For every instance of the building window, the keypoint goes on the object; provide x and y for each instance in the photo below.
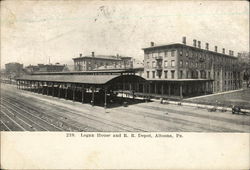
(166, 74)
(172, 74)
(153, 74)
(166, 63)
(187, 63)
(147, 74)
(181, 74)
(147, 64)
(161, 54)
(181, 52)
(172, 63)
(172, 53)
(166, 53)
(153, 64)
(181, 63)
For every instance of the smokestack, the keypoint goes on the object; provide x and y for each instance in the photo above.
(152, 44)
(223, 50)
(215, 48)
(184, 40)
(199, 44)
(93, 54)
(194, 43)
(207, 46)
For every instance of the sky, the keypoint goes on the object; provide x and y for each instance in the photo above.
(35, 32)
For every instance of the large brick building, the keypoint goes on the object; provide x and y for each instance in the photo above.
(93, 62)
(185, 70)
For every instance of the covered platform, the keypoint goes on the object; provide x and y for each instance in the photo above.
(100, 89)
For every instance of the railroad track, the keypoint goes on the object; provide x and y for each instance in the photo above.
(105, 122)
(48, 123)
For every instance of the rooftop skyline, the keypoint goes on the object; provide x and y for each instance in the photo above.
(35, 32)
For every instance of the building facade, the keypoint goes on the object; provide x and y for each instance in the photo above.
(93, 62)
(191, 69)
(45, 68)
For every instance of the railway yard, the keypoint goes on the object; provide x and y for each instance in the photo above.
(27, 111)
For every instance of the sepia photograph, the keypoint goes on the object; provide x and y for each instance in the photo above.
(107, 69)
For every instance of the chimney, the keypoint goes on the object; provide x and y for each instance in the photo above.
(199, 44)
(223, 50)
(207, 46)
(93, 54)
(117, 56)
(239, 54)
(152, 44)
(232, 53)
(184, 40)
(194, 43)
(80, 54)
(215, 48)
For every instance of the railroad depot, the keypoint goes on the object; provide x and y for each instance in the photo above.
(106, 87)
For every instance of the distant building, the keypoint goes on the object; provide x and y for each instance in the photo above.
(181, 69)
(93, 62)
(45, 68)
(13, 67)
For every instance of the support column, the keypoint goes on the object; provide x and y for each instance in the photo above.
(52, 89)
(47, 88)
(66, 92)
(38, 87)
(82, 93)
(105, 97)
(42, 88)
(155, 88)
(74, 89)
(93, 96)
(181, 96)
(59, 91)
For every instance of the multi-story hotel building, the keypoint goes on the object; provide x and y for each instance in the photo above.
(185, 70)
(93, 62)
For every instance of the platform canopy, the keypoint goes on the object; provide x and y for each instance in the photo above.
(82, 79)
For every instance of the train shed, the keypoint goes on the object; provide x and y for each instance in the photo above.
(95, 87)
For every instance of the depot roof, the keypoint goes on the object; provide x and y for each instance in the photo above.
(83, 79)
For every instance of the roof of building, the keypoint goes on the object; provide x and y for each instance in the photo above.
(104, 57)
(86, 79)
(82, 79)
(185, 45)
(179, 80)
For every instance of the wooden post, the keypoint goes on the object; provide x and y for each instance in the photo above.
(93, 96)
(82, 93)
(105, 97)
(155, 88)
(52, 89)
(66, 92)
(74, 88)
(59, 90)
(47, 88)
